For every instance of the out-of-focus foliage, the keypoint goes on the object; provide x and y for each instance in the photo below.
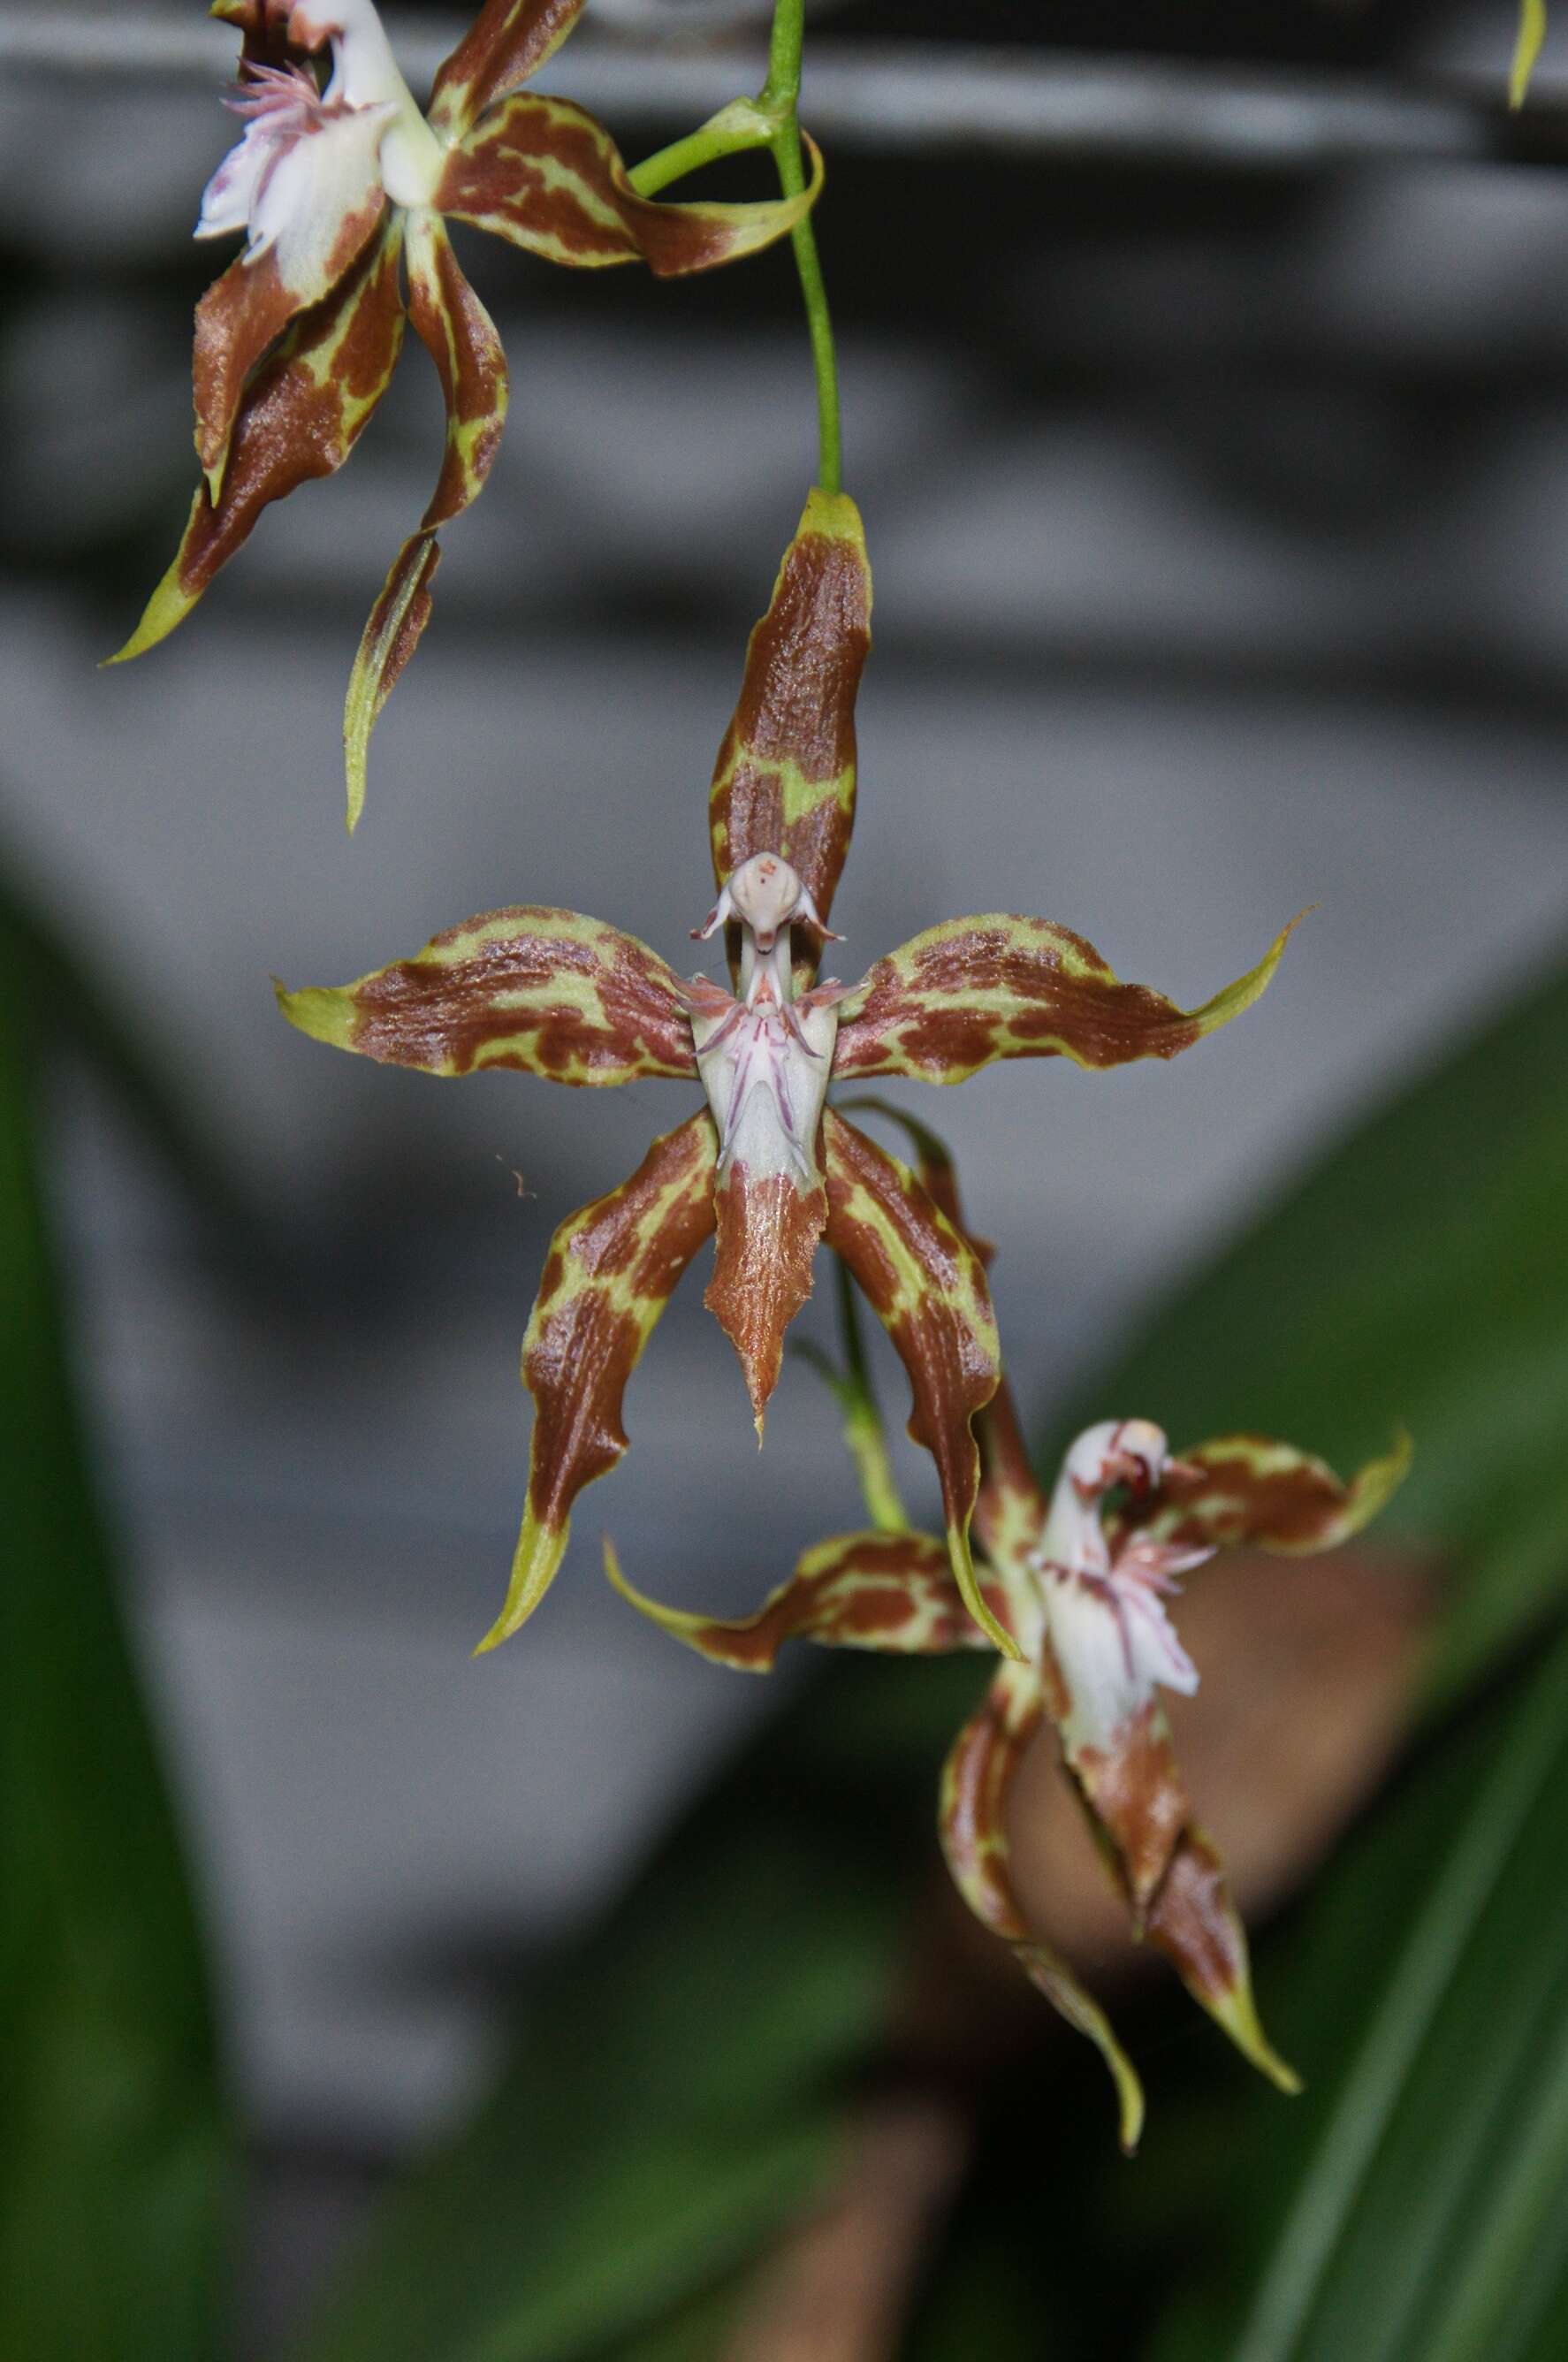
(1527, 49)
(685, 2069)
(114, 2176)
(1416, 2202)
(677, 2089)
(1421, 1272)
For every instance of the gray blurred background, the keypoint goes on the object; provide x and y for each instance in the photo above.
(1220, 522)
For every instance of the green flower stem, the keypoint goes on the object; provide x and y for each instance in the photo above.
(741, 125)
(771, 120)
(863, 1434)
(781, 98)
(862, 1421)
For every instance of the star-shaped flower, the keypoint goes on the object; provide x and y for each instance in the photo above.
(768, 1165)
(341, 188)
(1083, 1583)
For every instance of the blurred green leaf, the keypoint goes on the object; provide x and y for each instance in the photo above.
(1416, 2203)
(678, 2083)
(112, 2150)
(58, 1004)
(1418, 1274)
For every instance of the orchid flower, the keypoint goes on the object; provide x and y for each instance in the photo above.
(333, 188)
(1084, 1582)
(766, 1166)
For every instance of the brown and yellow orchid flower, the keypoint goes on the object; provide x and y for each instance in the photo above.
(1081, 1581)
(1084, 1592)
(768, 1165)
(337, 188)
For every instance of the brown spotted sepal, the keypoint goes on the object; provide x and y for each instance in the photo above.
(460, 338)
(1250, 1491)
(300, 417)
(927, 1285)
(549, 992)
(976, 1784)
(506, 44)
(972, 990)
(784, 782)
(890, 1592)
(612, 1268)
(543, 174)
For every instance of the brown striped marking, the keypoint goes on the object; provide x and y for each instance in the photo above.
(944, 1330)
(978, 989)
(767, 1233)
(437, 1013)
(1137, 1796)
(244, 310)
(508, 41)
(294, 424)
(803, 666)
(1216, 1494)
(1195, 1924)
(611, 1269)
(460, 338)
(514, 175)
(893, 1593)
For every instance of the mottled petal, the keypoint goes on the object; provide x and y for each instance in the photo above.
(888, 1592)
(612, 1268)
(460, 338)
(972, 990)
(1251, 1489)
(926, 1286)
(300, 416)
(1195, 1924)
(508, 41)
(543, 174)
(312, 204)
(547, 991)
(976, 1783)
(1010, 1509)
(784, 781)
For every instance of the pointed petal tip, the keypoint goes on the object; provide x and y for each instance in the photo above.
(996, 1632)
(322, 1011)
(1236, 2013)
(168, 607)
(1130, 2099)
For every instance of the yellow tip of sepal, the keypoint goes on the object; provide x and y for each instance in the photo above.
(1236, 2013)
(322, 1011)
(168, 606)
(535, 1563)
(963, 1565)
